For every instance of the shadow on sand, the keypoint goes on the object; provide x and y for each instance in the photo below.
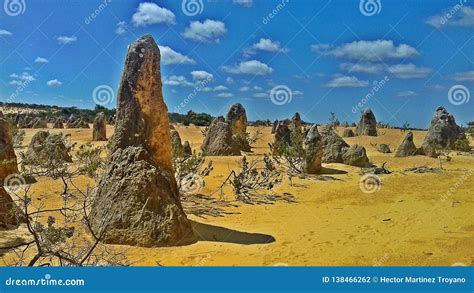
(206, 232)
(330, 171)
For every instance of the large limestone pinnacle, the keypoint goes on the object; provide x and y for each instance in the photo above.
(141, 110)
(137, 200)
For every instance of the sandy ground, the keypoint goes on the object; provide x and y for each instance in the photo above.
(414, 219)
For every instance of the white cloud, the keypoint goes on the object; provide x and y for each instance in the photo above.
(121, 28)
(177, 80)
(41, 60)
(225, 95)
(266, 45)
(65, 40)
(150, 13)
(252, 67)
(206, 31)
(368, 50)
(201, 75)
(368, 68)
(461, 16)
(463, 76)
(170, 56)
(220, 88)
(54, 83)
(405, 71)
(244, 89)
(5, 33)
(346, 81)
(406, 94)
(297, 93)
(230, 80)
(261, 95)
(245, 3)
(25, 76)
(257, 88)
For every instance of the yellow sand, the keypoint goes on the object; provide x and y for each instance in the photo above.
(412, 220)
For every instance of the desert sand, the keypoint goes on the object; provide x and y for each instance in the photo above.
(414, 219)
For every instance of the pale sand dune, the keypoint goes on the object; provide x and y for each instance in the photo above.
(332, 223)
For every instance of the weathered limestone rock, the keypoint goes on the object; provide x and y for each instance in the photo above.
(99, 127)
(296, 122)
(9, 218)
(58, 124)
(237, 117)
(39, 123)
(442, 133)
(367, 124)
(8, 162)
(384, 148)
(333, 146)
(137, 201)
(282, 131)
(43, 145)
(218, 140)
(356, 156)
(348, 133)
(407, 147)
(176, 143)
(314, 151)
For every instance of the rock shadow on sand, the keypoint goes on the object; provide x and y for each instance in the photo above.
(206, 232)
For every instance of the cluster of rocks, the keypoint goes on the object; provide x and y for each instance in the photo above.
(43, 145)
(137, 200)
(179, 149)
(27, 121)
(75, 122)
(324, 146)
(227, 137)
(442, 134)
(293, 124)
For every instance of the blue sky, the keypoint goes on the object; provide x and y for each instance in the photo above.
(317, 57)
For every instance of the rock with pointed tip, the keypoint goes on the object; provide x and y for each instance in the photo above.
(218, 140)
(314, 151)
(137, 201)
(367, 124)
(237, 117)
(407, 147)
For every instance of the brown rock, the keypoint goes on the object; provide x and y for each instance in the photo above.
(314, 151)
(407, 147)
(99, 127)
(8, 162)
(367, 124)
(137, 201)
(237, 117)
(356, 156)
(218, 140)
(9, 217)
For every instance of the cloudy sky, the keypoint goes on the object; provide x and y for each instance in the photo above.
(400, 58)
